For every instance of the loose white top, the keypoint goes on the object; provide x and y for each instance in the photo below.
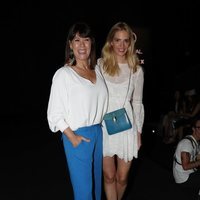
(75, 101)
(125, 144)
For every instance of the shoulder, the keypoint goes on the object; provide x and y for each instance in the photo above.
(187, 138)
(61, 73)
(185, 142)
(139, 72)
(97, 67)
(100, 64)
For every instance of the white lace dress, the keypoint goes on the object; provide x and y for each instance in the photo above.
(124, 144)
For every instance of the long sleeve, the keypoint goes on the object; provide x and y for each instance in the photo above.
(57, 103)
(75, 101)
(137, 99)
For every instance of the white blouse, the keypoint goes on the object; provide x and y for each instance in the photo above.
(75, 101)
(125, 144)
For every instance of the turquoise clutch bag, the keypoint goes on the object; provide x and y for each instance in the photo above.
(117, 121)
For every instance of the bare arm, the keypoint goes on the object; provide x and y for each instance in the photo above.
(186, 163)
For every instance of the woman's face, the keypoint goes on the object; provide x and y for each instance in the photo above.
(81, 47)
(120, 43)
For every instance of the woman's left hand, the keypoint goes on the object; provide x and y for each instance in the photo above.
(139, 140)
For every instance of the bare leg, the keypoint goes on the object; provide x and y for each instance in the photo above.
(109, 172)
(122, 176)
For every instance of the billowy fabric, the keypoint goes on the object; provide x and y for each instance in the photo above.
(124, 144)
(75, 101)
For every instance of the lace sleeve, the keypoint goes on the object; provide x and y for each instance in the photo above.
(137, 98)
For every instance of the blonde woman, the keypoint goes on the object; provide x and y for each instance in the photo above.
(122, 72)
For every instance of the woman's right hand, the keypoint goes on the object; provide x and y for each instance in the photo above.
(77, 139)
(74, 138)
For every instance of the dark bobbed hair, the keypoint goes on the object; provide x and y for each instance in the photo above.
(83, 30)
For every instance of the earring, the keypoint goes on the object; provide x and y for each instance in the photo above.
(71, 57)
(71, 53)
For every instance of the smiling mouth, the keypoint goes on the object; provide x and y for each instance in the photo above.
(82, 51)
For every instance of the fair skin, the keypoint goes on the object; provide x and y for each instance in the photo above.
(115, 178)
(81, 48)
(185, 156)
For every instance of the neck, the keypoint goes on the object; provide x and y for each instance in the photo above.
(196, 136)
(121, 59)
(82, 65)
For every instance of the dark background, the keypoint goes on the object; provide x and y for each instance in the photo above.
(32, 43)
(33, 36)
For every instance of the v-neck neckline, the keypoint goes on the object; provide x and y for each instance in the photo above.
(94, 83)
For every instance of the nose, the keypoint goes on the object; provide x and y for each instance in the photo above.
(81, 43)
(121, 44)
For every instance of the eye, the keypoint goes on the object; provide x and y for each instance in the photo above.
(126, 41)
(116, 40)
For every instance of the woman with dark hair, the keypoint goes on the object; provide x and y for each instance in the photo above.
(77, 104)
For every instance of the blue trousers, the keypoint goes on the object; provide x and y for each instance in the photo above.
(85, 163)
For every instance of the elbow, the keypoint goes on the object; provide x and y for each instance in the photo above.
(186, 167)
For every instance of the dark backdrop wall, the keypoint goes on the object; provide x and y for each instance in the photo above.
(33, 39)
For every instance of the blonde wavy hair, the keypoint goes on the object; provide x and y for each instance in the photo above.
(109, 61)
